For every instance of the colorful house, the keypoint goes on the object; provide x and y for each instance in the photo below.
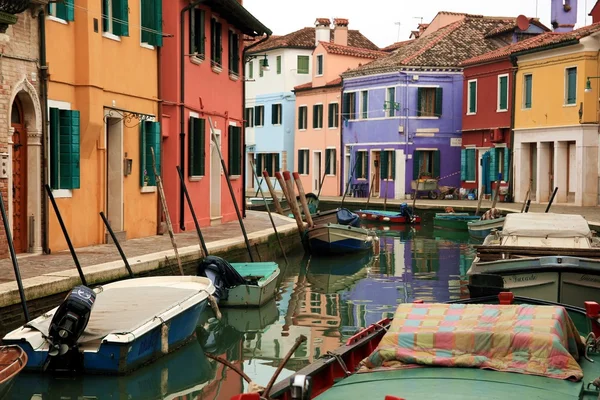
(22, 118)
(202, 84)
(104, 118)
(270, 99)
(402, 113)
(487, 112)
(317, 138)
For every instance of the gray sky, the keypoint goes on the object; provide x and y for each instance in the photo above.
(377, 19)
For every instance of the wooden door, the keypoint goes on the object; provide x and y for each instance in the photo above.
(19, 178)
(376, 172)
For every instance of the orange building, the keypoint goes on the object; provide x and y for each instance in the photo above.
(103, 115)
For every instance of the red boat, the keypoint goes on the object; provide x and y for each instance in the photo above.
(12, 361)
(389, 217)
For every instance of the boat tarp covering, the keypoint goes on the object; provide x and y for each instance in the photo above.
(122, 310)
(347, 217)
(526, 339)
(546, 225)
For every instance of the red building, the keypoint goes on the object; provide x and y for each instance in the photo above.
(487, 114)
(202, 82)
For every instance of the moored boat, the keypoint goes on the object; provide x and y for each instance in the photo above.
(454, 221)
(404, 216)
(117, 327)
(339, 239)
(483, 227)
(12, 361)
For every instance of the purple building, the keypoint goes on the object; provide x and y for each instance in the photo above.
(402, 114)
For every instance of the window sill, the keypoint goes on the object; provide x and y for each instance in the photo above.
(472, 113)
(470, 181)
(111, 36)
(195, 178)
(62, 193)
(526, 109)
(428, 117)
(59, 20)
(217, 69)
(570, 105)
(234, 177)
(277, 124)
(233, 76)
(302, 129)
(318, 75)
(197, 59)
(317, 129)
(148, 189)
(500, 111)
(258, 126)
(361, 179)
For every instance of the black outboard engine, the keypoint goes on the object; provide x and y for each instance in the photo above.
(222, 275)
(70, 320)
(407, 212)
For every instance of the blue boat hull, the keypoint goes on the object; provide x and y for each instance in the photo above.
(338, 239)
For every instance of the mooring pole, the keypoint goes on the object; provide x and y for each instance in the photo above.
(551, 199)
(302, 195)
(66, 234)
(349, 180)
(191, 206)
(114, 238)
(278, 207)
(13, 257)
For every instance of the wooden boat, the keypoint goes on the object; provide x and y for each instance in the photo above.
(264, 274)
(454, 221)
(428, 351)
(131, 323)
(388, 217)
(480, 229)
(12, 361)
(553, 257)
(339, 239)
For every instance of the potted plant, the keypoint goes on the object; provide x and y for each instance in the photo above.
(146, 177)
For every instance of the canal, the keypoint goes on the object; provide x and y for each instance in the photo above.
(325, 299)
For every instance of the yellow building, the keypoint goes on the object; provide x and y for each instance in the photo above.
(103, 114)
(556, 118)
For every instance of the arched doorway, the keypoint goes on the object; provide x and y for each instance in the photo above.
(19, 178)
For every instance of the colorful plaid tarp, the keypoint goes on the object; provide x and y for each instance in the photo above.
(536, 340)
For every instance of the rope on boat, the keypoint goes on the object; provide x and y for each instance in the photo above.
(340, 361)
(299, 341)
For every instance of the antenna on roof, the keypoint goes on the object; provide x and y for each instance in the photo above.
(419, 18)
(398, 23)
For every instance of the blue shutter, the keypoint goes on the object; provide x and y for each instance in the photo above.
(506, 164)
(69, 169)
(463, 164)
(471, 161)
(493, 166)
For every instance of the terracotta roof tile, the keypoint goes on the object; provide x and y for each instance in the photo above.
(447, 47)
(340, 21)
(304, 86)
(333, 48)
(323, 21)
(512, 24)
(396, 46)
(305, 39)
(309, 85)
(537, 42)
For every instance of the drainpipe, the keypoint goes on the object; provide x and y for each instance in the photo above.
(342, 147)
(243, 73)
(160, 120)
(511, 185)
(45, 147)
(406, 132)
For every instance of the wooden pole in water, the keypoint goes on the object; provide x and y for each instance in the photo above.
(386, 192)
(269, 210)
(235, 204)
(416, 191)
(496, 194)
(551, 199)
(276, 202)
(116, 242)
(370, 191)
(527, 195)
(13, 257)
(203, 249)
(281, 182)
(302, 195)
(163, 202)
(291, 199)
(348, 183)
(480, 198)
(527, 207)
(324, 173)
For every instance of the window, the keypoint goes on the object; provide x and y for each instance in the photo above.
(152, 22)
(64, 149)
(317, 116)
(197, 32)
(429, 102)
(197, 147)
(333, 115)
(234, 165)
(149, 140)
(527, 82)
(234, 53)
(467, 164)
(472, 97)
(278, 65)
(303, 62)
(268, 162)
(302, 117)
(63, 10)
(216, 46)
(115, 17)
(390, 97)
(251, 70)
(259, 115)
(330, 162)
(261, 69)
(571, 85)
(426, 163)
(362, 165)
(349, 104)
(388, 164)
(364, 104)
(276, 116)
(249, 117)
(320, 64)
(303, 167)
(502, 92)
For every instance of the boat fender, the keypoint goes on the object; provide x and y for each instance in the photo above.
(300, 387)
(222, 275)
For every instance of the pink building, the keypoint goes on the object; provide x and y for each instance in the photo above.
(318, 106)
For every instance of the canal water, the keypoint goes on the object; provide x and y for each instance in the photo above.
(325, 299)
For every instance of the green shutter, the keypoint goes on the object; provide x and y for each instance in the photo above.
(150, 140)
(277, 168)
(230, 145)
(503, 93)
(70, 10)
(346, 105)
(528, 83)
(419, 103)
(472, 97)
(54, 147)
(307, 152)
(300, 118)
(303, 64)
(259, 165)
(439, 101)
(120, 17)
(69, 170)
(436, 164)
(334, 156)
(393, 156)
(234, 161)
(359, 164)
(147, 11)
(571, 85)
(315, 116)
(327, 157)
(365, 104)
(391, 101)
(416, 164)
(493, 166)
(383, 165)
(278, 64)
(506, 164)
(144, 164)
(471, 155)
(104, 15)
(256, 115)
(196, 151)
(192, 37)
(192, 146)
(157, 37)
(269, 163)
(463, 165)
(152, 22)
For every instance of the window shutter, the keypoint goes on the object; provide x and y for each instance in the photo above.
(104, 14)
(157, 39)
(278, 64)
(315, 116)
(147, 11)
(472, 97)
(463, 165)
(471, 155)
(54, 147)
(528, 82)
(143, 162)
(436, 164)
(69, 170)
(346, 105)
(193, 43)
(257, 115)
(70, 10)
(572, 86)
(359, 164)
(506, 164)
(383, 165)
(300, 118)
(201, 33)
(234, 161)
(334, 161)
(438, 102)
(504, 93)
(277, 168)
(259, 165)
(393, 156)
(274, 114)
(416, 164)
(307, 163)
(192, 146)
(419, 102)
(493, 166)
(152, 141)
(120, 12)
(230, 60)
(300, 162)
(201, 131)
(330, 115)
(327, 162)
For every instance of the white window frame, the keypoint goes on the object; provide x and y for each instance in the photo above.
(306, 156)
(331, 162)
(280, 113)
(320, 56)
(262, 114)
(322, 116)
(61, 105)
(388, 101)
(524, 101)
(360, 105)
(306, 124)
(498, 109)
(52, 16)
(336, 121)
(366, 170)
(566, 84)
(469, 112)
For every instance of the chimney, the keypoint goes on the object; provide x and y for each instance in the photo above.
(563, 15)
(322, 30)
(340, 31)
(595, 13)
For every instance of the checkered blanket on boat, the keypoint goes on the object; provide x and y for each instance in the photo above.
(536, 340)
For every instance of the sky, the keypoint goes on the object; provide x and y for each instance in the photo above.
(378, 19)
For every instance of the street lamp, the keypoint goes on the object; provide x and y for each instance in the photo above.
(264, 63)
(588, 83)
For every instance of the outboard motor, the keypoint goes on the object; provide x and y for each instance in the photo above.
(407, 212)
(222, 275)
(70, 320)
(347, 217)
(300, 387)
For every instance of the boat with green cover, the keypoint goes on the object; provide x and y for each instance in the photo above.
(455, 221)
